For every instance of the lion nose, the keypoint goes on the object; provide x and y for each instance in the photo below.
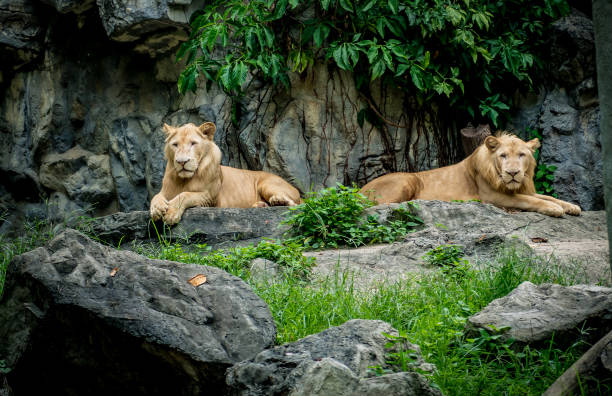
(512, 173)
(182, 161)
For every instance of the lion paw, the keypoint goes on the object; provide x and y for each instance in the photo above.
(281, 200)
(173, 215)
(159, 206)
(260, 204)
(571, 209)
(552, 209)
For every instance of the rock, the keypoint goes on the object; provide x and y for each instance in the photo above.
(333, 362)
(263, 270)
(579, 244)
(152, 331)
(21, 35)
(163, 23)
(84, 177)
(534, 313)
(572, 47)
(571, 142)
(76, 6)
(566, 112)
(215, 226)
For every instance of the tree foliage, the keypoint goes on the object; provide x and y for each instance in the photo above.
(471, 54)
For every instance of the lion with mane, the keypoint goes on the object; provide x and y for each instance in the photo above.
(194, 177)
(500, 171)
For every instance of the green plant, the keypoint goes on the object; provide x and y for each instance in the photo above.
(287, 255)
(471, 54)
(544, 174)
(449, 258)
(399, 354)
(334, 216)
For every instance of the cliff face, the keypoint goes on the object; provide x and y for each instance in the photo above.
(87, 85)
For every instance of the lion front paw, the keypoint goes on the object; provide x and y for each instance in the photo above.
(571, 209)
(281, 199)
(552, 209)
(173, 215)
(159, 206)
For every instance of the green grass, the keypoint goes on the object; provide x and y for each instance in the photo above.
(430, 310)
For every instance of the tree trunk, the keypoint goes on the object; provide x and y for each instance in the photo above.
(602, 15)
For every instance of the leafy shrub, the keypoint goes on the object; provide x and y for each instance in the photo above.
(544, 174)
(334, 216)
(471, 54)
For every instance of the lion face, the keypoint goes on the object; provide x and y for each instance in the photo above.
(512, 159)
(187, 145)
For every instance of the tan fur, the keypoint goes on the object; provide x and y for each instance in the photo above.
(500, 171)
(194, 177)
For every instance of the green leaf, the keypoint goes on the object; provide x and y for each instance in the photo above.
(346, 5)
(394, 6)
(377, 69)
(320, 34)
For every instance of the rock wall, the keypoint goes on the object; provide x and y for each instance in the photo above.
(88, 84)
(566, 111)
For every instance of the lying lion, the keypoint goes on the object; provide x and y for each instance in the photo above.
(500, 171)
(194, 177)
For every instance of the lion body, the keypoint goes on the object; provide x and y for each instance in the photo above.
(194, 176)
(500, 171)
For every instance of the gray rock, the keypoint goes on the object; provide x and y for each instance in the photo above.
(533, 313)
(21, 33)
(333, 362)
(578, 244)
(216, 226)
(83, 176)
(263, 270)
(163, 24)
(76, 6)
(572, 46)
(152, 331)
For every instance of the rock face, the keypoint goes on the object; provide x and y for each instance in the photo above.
(88, 319)
(333, 362)
(99, 76)
(533, 313)
(567, 113)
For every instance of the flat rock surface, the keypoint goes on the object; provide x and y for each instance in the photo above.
(580, 243)
(87, 318)
(533, 313)
(577, 242)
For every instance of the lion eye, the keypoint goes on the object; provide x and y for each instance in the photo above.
(194, 143)
(174, 144)
(503, 155)
(521, 155)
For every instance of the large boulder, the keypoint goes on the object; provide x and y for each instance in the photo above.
(215, 226)
(338, 361)
(89, 319)
(532, 313)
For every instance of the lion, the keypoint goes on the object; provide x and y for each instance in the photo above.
(500, 171)
(194, 177)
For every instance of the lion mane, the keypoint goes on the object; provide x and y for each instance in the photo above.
(500, 171)
(194, 176)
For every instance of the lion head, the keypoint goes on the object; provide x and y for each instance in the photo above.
(507, 163)
(188, 146)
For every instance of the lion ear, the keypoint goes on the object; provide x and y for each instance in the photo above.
(492, 143)
(533, 144)
(167, 129)
(208, 129)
